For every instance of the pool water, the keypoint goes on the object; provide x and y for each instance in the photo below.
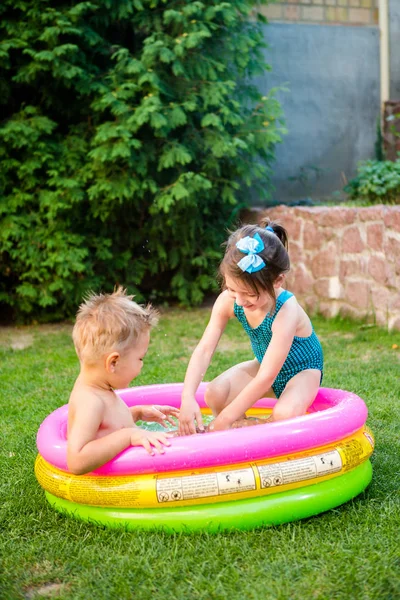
(157, 427)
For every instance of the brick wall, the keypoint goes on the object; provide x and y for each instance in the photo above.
(344, 260)
(329, 12)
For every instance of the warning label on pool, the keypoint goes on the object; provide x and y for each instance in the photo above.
(173, 489)
(301, 469)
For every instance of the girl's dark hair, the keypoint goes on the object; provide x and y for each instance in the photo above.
(275, 255)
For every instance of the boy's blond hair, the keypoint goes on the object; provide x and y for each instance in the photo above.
(109, 322)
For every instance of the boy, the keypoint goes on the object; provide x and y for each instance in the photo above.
(111, 336)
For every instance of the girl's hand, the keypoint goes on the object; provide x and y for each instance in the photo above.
(189, 415)
(159, 414)
(219, 425)
(223, 422)
(152, 441)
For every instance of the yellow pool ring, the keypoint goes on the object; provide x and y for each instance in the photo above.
(210, 485)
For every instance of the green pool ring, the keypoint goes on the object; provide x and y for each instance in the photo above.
(241, 514)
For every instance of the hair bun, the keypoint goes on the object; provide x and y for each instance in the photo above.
(278, 230)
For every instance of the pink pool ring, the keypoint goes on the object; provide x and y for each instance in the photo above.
(334, 415)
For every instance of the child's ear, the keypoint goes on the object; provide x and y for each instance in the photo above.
(112, 361)
(279, 280)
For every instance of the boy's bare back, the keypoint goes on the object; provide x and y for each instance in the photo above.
(110, 411)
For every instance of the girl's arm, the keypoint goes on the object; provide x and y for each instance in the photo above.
(199, 362)
(283, 332)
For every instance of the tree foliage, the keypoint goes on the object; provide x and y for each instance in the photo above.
(132, 133)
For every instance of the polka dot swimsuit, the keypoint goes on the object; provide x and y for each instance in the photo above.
(305, 352)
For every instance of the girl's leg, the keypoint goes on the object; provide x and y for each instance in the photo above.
(298, 395)
(224, 388)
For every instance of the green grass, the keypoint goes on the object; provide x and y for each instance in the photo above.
(350, 552)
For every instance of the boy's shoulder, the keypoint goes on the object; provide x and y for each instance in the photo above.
(82, 392)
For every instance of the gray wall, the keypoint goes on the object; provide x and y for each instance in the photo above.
(394, 49)
(331, 106)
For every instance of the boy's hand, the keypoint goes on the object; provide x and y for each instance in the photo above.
(152, 441)
(159, 414)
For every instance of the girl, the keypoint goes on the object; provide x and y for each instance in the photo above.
(288, 361)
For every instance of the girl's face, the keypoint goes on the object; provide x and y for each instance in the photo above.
(245, 296)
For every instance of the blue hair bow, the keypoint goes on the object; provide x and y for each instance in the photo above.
(251, 246)
(269, 228)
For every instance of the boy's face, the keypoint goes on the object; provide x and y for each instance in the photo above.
(130, 362)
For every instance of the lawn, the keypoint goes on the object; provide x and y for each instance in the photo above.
(350, 552)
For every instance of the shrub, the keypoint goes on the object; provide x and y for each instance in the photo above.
(376, 182)
(132, 134)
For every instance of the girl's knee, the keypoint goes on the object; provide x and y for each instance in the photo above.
(281, 413)
(290, 407)
(216, 395)
(297, 396)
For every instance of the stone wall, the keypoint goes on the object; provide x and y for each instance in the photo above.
(345, 260)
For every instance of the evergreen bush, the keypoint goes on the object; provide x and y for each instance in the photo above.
(132, 133)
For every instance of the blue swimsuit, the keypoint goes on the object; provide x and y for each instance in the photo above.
(305, 352)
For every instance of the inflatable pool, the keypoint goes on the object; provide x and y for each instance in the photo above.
(237, 479)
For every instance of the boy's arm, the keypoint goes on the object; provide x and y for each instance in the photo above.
(84, 451)
(157, 413)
